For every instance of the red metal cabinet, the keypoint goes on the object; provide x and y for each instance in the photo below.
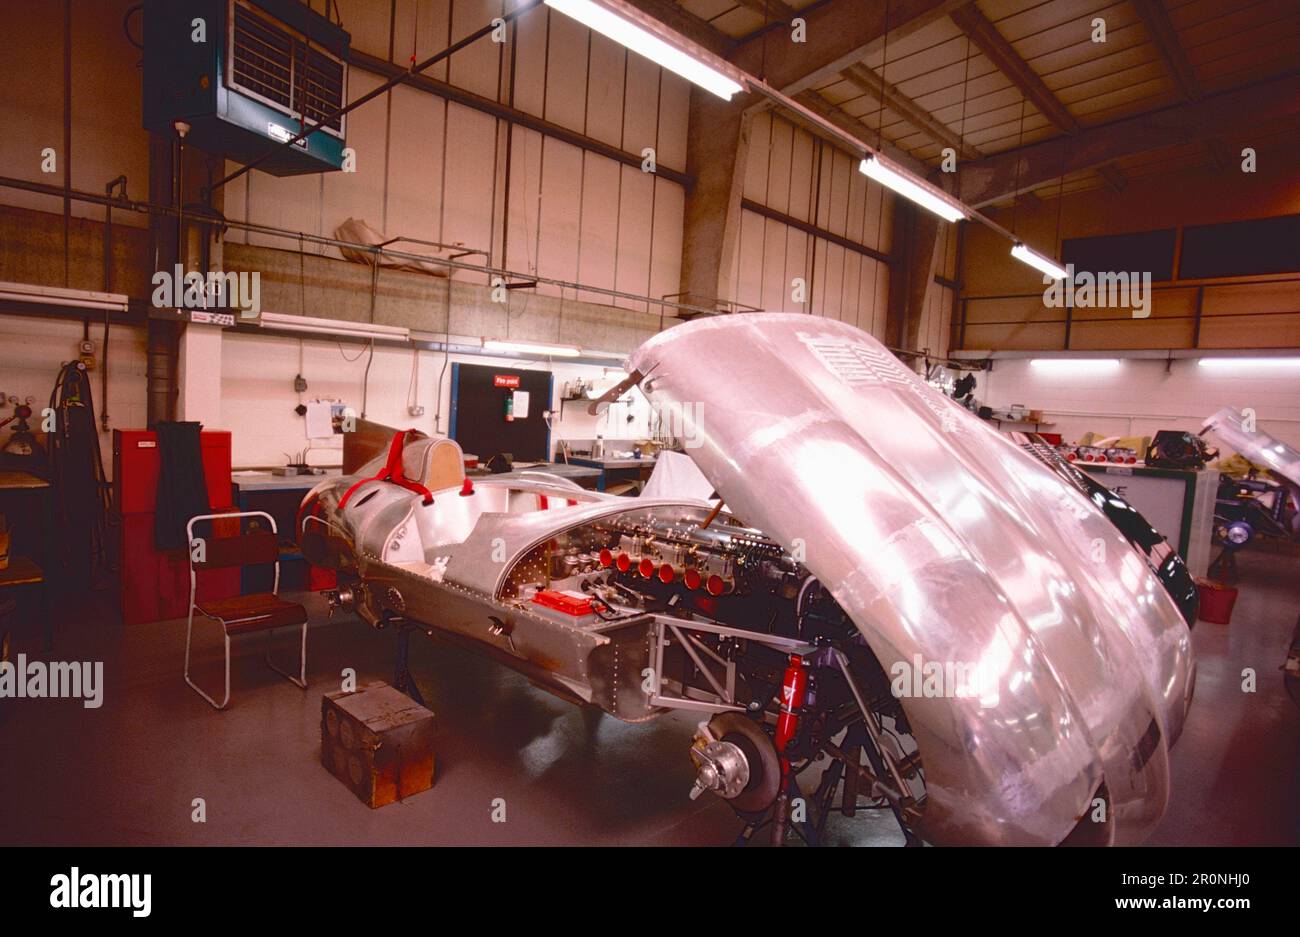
(154, 584)
(136, 466)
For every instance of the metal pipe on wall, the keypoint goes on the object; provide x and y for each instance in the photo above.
(163, 340)
(154, 207)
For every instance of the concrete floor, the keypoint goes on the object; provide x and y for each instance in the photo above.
(127, 773)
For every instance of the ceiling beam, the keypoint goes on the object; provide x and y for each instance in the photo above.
(838, 32)
(876, 87)
(850, 125)
(995, 177)
(1220, 159)
(776, 10)
(695, 28)
(1112, 176)
(1000, 52)
(1165, 38)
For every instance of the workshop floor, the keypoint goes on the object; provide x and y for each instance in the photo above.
(129, 772)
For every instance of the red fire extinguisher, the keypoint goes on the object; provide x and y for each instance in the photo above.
(510, 407)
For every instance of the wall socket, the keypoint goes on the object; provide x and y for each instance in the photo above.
(415, 410)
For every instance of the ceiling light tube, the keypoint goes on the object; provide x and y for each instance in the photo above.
(626, 26)
(290, 323)
(1227, 362)
(531, 348)
(916, 190)
(1075, 365)
(57, 296)
(1039, 262)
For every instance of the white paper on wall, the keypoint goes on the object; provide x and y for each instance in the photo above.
(520, 410)
(320, 422)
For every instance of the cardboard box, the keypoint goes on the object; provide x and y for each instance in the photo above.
(377, 741)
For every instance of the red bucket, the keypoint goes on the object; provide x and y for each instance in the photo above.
(1216, 601)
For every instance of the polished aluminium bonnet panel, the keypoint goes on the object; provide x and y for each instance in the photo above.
(1235, 428)
(949, 545)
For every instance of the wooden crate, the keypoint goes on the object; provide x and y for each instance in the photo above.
(377, 741)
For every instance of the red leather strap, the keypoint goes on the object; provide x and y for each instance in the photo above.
(392, 472)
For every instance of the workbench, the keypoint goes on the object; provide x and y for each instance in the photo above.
(583, 475)
(24, 571)
(280, 496)
(615, 470)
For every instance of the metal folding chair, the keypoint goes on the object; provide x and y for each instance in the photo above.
(241, 614)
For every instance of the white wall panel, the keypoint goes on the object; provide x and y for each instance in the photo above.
(666, 256)
(475, 67)
(560, 217)
(749, 266)
(634, 223)
(525, 186)
(674, 114)
(850, 295)
(778, 166)
(600, 214)
(467, 195)
(415, 167)
(604, 111)
(529, 55)
(775, 288)
(566, 72)
(760, 143)
(797, 252)
(801, 176)
(641, 105)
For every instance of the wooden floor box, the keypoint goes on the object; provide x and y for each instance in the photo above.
(377, 741)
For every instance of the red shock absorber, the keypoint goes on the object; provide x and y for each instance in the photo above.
(794, 687)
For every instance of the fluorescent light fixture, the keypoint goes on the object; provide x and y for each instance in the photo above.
(1075, 365)
(57, 296)
(618, 22)
(288, 323)
(531, 348)
(1039, 261)
(1228, 362)
(924, 194)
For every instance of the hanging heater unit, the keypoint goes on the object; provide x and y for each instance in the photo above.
(246, 75)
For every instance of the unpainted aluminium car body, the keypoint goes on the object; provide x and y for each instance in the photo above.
(940, 540)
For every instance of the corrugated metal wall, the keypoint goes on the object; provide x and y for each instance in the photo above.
(437, 170)
(798, 175)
